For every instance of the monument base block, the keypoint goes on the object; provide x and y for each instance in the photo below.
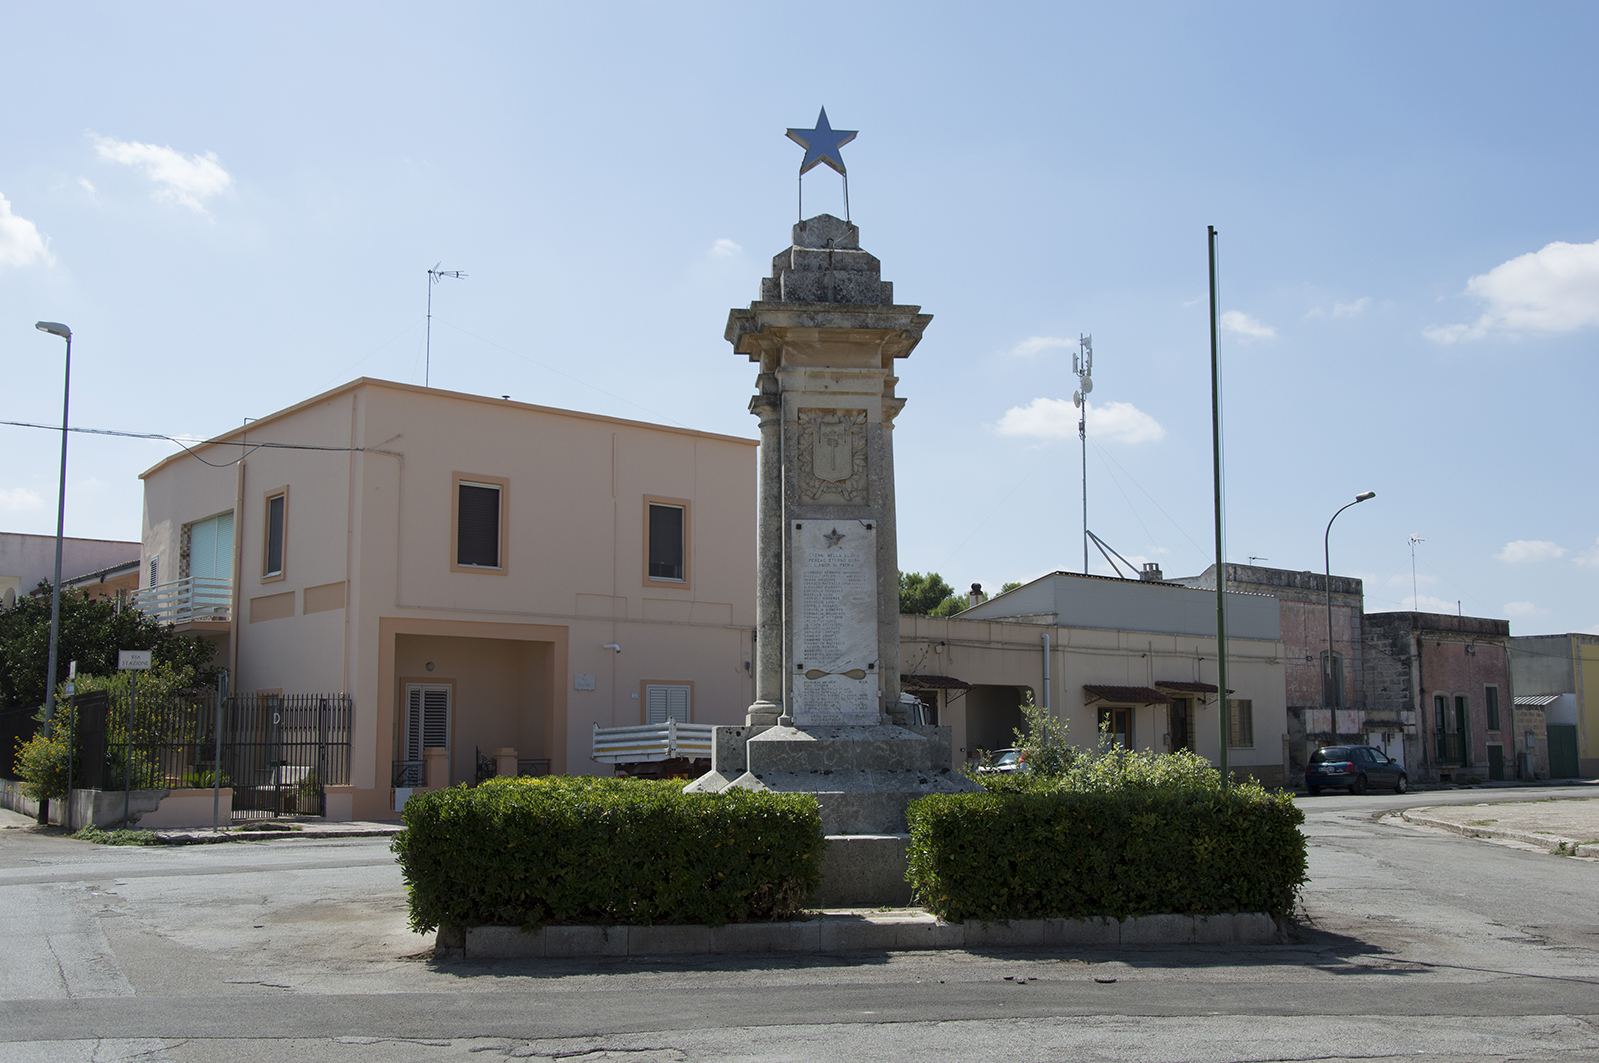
(862, 777)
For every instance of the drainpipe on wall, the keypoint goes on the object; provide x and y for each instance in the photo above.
(238, 577)
(1045, 637)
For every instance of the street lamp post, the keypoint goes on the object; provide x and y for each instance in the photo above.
(1327, 672)
(55, 328)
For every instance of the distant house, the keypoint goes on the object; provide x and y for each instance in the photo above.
(1137, 657)
(1557, 684)
(98, 567)
(1451, 675)
(1326, 704)
(476, 574)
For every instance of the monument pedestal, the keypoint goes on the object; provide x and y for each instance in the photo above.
(826, 333)
(862, 777)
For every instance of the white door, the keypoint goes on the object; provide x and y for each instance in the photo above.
(662, 702)
(427, 718)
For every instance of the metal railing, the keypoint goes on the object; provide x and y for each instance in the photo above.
(652, 742)
(190, 598)
(1451, 749)
(278, 752)
(409, 773)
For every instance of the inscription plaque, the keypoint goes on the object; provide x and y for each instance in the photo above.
(833, 677)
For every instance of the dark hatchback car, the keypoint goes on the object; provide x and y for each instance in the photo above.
(1354, 768)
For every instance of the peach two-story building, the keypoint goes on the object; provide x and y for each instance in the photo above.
(476, 574)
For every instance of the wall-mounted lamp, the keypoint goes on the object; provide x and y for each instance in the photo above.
(430, 666)
(611, 646)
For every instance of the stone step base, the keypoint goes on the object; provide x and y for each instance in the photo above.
(851, 931)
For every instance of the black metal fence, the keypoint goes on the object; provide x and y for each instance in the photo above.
(277, 752)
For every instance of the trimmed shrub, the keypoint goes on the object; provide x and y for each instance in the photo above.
(1078, 853)
(574, 849)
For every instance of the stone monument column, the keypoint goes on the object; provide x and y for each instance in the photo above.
(768, 704)
(826, 333)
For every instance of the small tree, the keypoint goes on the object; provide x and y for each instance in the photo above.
(92, 631)
(927, 595)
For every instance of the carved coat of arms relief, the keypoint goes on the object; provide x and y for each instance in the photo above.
(832, 456)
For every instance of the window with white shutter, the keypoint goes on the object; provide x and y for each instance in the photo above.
(211, 547)
(663, 701)
(427, 718)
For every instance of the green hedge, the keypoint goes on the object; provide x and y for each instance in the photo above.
(1073, 854)
(526, 852)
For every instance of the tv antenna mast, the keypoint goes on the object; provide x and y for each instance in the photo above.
(1415, 594)
(433, 278)
(1083, 366)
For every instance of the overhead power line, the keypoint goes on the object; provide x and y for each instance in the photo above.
(251, 446)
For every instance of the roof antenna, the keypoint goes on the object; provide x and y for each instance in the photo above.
(433, 278)
(1415, 591)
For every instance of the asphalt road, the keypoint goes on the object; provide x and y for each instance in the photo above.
(1413, 943)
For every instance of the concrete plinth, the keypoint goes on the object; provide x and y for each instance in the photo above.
(864, 871)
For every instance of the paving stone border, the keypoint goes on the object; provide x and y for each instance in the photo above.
(1550, 842)
(850, 932)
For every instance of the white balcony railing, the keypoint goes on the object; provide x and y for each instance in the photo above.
(191, 598)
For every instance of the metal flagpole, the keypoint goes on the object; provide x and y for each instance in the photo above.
(1221, 565)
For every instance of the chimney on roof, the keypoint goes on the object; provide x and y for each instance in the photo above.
(978, 597)
(1151, 572)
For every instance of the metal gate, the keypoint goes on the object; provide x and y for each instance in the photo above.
(1563, 751)
(279, 752)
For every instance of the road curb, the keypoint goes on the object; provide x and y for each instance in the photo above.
(1554, 843)
(851, 931)
(207, 837)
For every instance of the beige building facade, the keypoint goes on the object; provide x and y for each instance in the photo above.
(477, 574)
(1134, 655)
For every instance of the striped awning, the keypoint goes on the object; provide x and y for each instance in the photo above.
(1537, 699)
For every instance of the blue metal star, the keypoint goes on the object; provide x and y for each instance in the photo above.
(822, 144)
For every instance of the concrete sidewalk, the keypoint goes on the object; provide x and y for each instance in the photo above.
(1569, 826)
(237, 831)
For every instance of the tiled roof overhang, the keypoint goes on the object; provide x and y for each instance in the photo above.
(933, 682)
(1125, 695)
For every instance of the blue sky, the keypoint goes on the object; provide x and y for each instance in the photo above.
(234, 207)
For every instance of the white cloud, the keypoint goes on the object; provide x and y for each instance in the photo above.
(88, 186)
(1244, 325)
(1555, 289)
(1591, 557)
(1340, 309)
(1033, 346)
(1523, 609)
(20, 242)
(19, 499)
(1426, 603)
(1523, 550)
(725, 248)
(1118, 422)
(184, 179)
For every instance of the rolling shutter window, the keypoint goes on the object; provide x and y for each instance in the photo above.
(666, 542)
(478, 531)
(427, 719)
(211, 547)
(274, 536)
(662, 702)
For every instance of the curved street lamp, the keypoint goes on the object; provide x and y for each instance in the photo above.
(55, 328)
(1326, 553)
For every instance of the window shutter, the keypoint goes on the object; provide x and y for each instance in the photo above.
(662, 702)
(436, 716)
(427, 719)
(211, 547)
(413, 724)
(478, 526)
